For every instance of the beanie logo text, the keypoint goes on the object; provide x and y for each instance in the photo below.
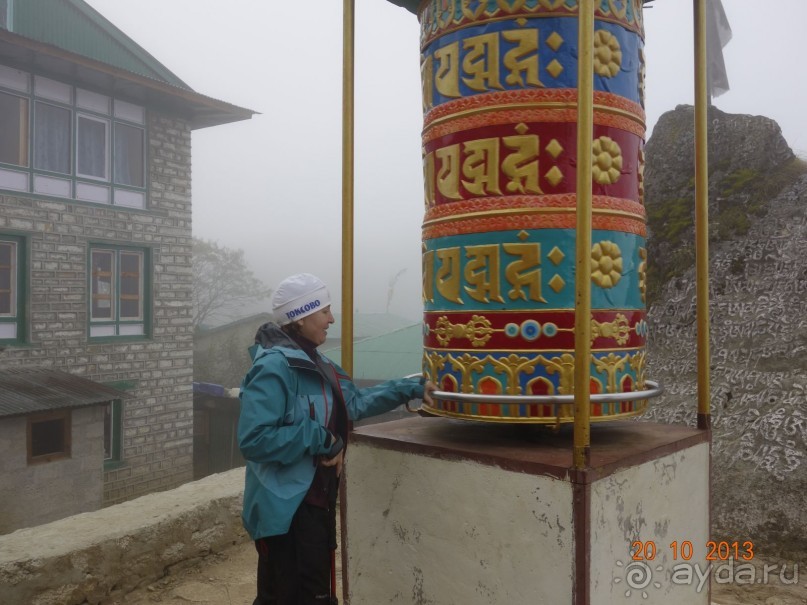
(304, 309)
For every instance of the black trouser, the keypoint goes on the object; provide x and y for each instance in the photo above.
(295, 568)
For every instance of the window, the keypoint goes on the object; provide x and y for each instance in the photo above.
(117, 292)
(63, 141)
(51, 138)
(91, 148)
(129, 155)
(14, 129)
(11, 307)
(112, 431)
(49, 437)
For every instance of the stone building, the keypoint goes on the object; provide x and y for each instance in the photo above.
(95, 253)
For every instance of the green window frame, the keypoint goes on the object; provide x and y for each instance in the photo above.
(67, 142)
(113, 430)
(118, 292)
(12, 280)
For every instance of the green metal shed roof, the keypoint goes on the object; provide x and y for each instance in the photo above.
(387, 356)
(369, 325)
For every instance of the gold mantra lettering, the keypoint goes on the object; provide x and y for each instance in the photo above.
(480, 64)
(477, 165)
(481, 276)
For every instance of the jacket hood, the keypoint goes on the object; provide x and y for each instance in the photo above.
(270, 335)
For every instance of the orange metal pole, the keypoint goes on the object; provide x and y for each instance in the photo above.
(702, 215)
(582, 303)
(348, 27)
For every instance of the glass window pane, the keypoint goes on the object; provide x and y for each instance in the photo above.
(132, 330)
(52, 138)
(8, 279)
(99, 331)
(91, 154)
(13, 130)
(129, 160)
(131, 285)
(102, 284)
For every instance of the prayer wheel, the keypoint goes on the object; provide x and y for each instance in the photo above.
(499, 153)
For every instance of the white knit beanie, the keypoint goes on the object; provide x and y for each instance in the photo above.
(298, 296)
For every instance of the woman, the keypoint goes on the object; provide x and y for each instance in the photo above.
(293, 428)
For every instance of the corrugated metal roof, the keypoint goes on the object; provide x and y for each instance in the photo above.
(24, 53)
(70, 39)
(31, 390)
(75, 26)
(365, 325)
(387, 356)
(368, 325)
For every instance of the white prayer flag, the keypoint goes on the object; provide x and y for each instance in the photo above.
(718, 34)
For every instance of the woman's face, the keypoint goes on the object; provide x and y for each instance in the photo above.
(314, 327)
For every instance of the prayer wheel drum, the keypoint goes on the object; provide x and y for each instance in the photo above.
(500, 152)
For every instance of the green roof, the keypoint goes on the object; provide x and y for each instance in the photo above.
(74, 26)
(368, 325)
(387, 356)
(70, 41)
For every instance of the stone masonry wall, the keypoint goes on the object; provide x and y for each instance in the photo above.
(157, 432)
(97, 558)
(71, 488)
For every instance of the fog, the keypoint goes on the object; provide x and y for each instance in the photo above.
(272, 185)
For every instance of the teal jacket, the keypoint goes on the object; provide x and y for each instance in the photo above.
(278, 436)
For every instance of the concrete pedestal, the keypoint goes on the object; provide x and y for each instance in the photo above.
(451, 512)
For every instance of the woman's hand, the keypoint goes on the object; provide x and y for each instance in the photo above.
(428, 389)
(336, 461)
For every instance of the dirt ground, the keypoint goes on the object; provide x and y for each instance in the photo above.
(228, 578)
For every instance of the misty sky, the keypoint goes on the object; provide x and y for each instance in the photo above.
(272, 185)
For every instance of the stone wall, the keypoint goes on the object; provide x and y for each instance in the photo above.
(158, 426)
(96, 558)
(157, 422)
(71, 488)
(758, 339)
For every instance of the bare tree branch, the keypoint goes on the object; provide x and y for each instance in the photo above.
(222, 282)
